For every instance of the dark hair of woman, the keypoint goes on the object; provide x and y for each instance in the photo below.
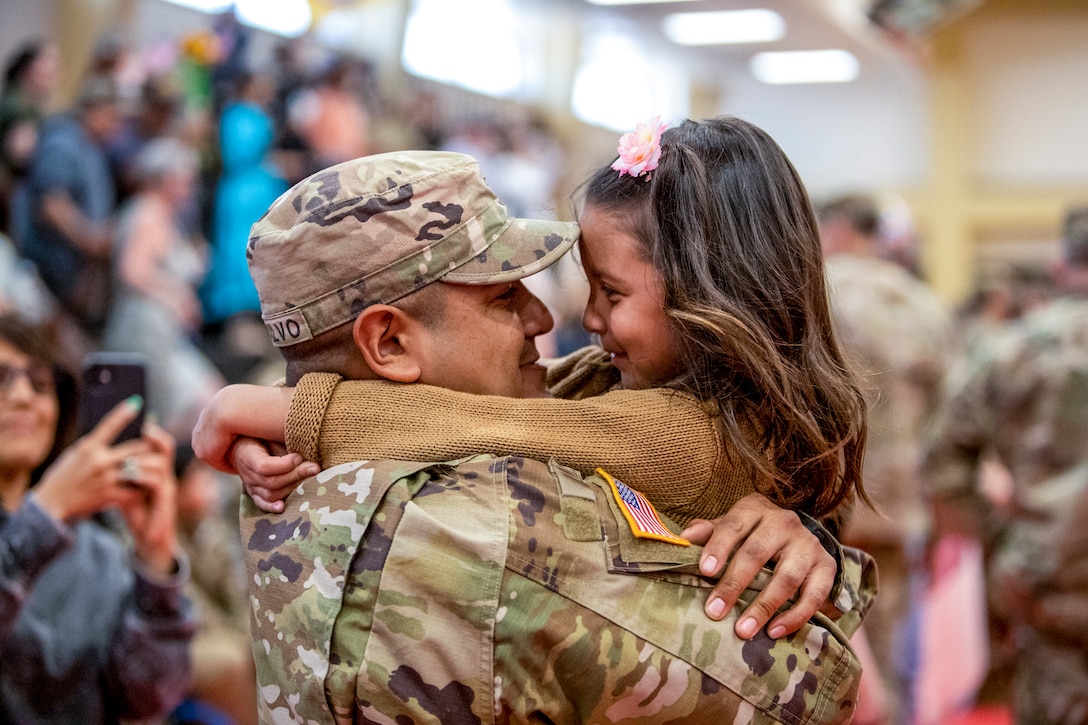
(21, 61)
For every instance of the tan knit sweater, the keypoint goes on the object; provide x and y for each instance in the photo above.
(659, 441)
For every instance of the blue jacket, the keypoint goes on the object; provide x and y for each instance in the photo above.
(246, 188)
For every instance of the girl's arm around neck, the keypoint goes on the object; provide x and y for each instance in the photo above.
(253, 411)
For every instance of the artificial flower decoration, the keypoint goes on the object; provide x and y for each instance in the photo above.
(202, 48)
(640, 150)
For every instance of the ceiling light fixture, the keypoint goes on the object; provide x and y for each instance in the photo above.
(805, 66)
(205, 6)
(633, 2)
(289, 18)
(724, 27)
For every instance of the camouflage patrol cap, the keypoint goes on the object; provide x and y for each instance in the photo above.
(374, 229)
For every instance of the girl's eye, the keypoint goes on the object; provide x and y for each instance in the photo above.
(608, 291)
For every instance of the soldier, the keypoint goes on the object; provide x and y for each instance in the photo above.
(489, 588)
(897, 332)
(1027, 404)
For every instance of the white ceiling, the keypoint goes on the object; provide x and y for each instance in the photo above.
(810, 25)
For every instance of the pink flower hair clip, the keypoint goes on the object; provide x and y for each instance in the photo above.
(640, 150)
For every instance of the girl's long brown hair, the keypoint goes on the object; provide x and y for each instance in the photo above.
(727, 222)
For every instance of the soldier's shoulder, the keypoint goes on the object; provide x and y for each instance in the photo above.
(1038, 338)
(1064, 319)
(883, 311)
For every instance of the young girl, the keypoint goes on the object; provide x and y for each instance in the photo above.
(706, 275)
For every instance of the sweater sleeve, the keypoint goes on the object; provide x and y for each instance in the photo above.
(303, 426)
(659, 441)
(582, 374)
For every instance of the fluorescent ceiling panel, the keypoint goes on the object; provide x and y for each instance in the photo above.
(205, 6)
(619, 83)
(724, 27)
(289, 18)
(635, 2)
(485, 34)
(805, 66)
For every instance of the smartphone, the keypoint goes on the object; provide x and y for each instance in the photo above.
(107, 379)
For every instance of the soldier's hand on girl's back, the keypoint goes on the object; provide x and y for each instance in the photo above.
(753, 533)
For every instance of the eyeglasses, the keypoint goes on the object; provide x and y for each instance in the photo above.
(42, 378)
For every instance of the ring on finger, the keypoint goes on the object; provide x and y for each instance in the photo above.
(130, 469)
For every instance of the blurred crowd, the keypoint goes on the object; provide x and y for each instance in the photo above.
(125, 218)
(974, 462)
(125, 215)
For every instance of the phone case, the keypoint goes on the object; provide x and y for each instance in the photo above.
(109, 378)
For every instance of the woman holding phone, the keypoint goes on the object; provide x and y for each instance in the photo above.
(93, 629)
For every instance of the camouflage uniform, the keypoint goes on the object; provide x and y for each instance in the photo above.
(509, 590)
(896, 333)
(1027, 403)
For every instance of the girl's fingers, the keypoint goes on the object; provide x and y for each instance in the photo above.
(268, 505)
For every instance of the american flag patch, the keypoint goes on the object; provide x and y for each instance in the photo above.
(640, 513)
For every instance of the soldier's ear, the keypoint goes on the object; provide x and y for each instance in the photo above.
(388, 340)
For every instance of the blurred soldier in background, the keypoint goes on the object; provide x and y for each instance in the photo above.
(1026, 403)
(896, 332)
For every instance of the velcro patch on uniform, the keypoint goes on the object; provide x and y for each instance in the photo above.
(640, 513)
(288, 327)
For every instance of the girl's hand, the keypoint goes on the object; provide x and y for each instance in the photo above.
(751, 534)
(89, 475)
(267, 478)
(235, 411)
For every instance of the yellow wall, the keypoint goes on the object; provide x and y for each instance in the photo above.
(77, 26)
(978, 210)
